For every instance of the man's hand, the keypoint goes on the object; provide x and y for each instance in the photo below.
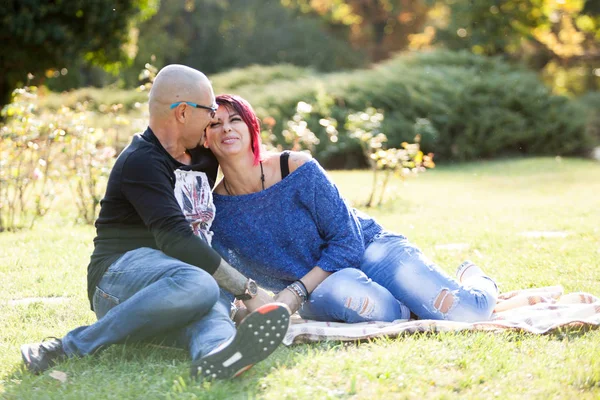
(290, 299)
(261, 298)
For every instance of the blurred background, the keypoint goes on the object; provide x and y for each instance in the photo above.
(73, 44)
(346, 80)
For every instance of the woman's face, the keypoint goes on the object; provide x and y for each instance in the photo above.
(227, 134)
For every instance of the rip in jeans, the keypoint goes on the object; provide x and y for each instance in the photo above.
(363, 308)
(444, 301)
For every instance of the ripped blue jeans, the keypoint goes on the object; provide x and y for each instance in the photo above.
(395, 278)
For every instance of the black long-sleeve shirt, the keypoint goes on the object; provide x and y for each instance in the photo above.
(139, 209)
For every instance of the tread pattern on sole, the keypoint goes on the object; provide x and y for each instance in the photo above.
(259, 334)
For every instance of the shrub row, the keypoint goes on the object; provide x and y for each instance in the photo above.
(464, 107)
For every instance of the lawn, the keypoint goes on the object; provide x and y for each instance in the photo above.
(488, 212)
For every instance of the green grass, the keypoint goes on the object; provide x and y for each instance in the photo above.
(485, 205)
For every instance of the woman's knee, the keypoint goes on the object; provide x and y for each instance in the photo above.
(349, 295)
(340, 283)
(464, 307)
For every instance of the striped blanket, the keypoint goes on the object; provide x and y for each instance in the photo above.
(540, 310)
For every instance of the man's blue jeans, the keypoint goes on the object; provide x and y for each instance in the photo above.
(146, 294)
(395, 276)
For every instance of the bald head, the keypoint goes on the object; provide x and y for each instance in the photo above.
(176, 83)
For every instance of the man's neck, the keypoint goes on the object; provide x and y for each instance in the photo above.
(169, 140)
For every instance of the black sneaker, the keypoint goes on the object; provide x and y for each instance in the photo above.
(258, 335)
(38, 357)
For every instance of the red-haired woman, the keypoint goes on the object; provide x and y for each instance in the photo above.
(281, 221)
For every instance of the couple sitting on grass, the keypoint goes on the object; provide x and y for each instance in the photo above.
(167, 243)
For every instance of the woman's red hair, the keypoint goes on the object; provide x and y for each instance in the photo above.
(235, 103)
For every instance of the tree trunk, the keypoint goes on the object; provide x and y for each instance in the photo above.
(6, 89)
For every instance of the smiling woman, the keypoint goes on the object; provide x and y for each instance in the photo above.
(282, 221)
(233, 112)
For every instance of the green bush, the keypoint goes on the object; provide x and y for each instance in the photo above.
(93, 98)
(258, 75)
(464, 106)
(591, 103)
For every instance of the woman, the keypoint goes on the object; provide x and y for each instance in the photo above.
(283, 223)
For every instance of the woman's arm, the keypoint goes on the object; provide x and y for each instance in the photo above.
(336, 224)
(310, 281)
(314, 278)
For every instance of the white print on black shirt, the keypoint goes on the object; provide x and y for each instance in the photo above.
(192, 191)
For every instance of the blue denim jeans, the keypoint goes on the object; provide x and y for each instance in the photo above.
(394, 275)
(145, 295)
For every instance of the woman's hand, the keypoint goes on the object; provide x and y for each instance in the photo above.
(290, 299)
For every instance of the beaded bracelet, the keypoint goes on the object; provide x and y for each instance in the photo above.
(303, 287)
(299, 290)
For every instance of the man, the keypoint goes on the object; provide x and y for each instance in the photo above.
(153, 273)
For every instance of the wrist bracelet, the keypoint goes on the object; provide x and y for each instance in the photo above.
(298, 291)
(303, 287)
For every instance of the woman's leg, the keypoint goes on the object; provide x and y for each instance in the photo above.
(396, 264)
(349, 296)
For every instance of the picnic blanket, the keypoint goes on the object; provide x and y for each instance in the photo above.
(539, 310)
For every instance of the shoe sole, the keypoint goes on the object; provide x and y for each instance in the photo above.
(25, 356)
(258, 335)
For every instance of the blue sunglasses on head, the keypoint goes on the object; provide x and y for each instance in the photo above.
(212, 109)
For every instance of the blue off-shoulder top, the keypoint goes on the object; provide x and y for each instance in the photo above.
(278, 235)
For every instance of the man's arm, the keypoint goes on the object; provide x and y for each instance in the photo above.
(147, 185)
(230, 279)
(234, 282)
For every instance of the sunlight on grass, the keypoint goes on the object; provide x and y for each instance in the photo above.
(482, 211)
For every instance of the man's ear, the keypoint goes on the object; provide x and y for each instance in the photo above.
(180, 112)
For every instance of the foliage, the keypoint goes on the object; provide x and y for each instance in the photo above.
(475, 107)
(297, 134)
(215, 35)
(42, 148)
(96, 99)
(381, 27)
(28, 149)
(537, 31)
(258, 75)
(591, 103)
(41, 35)
(564, 28)
(489, 28)
(362, 127)
(407, 161)
(88, 165)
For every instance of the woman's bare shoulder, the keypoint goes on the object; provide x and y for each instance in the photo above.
(297, 159)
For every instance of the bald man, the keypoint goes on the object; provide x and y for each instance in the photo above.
(153, 274)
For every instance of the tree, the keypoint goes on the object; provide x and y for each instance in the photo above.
(566, 29)
(379, 26)
(37, 35)
(215, 35)
(559, 38)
